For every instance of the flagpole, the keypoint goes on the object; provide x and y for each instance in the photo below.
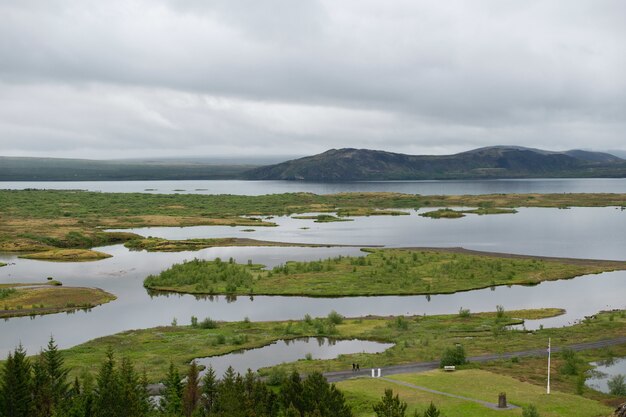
(549, 352)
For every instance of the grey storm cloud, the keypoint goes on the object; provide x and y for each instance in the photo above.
(171, 77)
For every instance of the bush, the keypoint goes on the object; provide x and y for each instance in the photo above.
(208, 324)
(570, 367)
(530, 411)
(335, 318)
(464, 312)
(453, 356)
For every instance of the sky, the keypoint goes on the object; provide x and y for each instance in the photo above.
(171, 78)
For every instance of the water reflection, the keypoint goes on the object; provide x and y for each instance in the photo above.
(285, 351)
(604, 371)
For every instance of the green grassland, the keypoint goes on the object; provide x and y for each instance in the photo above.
(23, 300)
(37, 220)
(154, 244)
(67, 255)
(381, 272)
(472, 383)
(419, 338)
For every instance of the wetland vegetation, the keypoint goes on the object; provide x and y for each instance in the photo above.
(38, 220)
(67, 255)
(154, 244)
(447, 213)
(381, 272)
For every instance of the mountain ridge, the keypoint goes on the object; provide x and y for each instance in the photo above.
(351, 164)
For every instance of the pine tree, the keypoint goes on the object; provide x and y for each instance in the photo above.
(171, 402)
(191, 392)
(209, 390)
(57, 373)
(15, 386)
(390, 406)
(230, 401)
(291, 392)
(131, 397)
(107, 393)
(432, 411)
(41, 389)
(323, 399)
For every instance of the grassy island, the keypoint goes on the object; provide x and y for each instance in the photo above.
(323, 218)
(165, 245)
(32, 299)
(67, 255)
(447, 213)
(381, 272)
(37, 220)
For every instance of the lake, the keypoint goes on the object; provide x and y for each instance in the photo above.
(577, 232)
(447, 187)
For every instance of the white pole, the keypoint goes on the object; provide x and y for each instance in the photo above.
(379, 372)
(373, 373)
(549, 353)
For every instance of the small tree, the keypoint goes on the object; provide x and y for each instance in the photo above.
(191, 392)
(617, 385)
(453, 356)
(431, 411)
(390, 406)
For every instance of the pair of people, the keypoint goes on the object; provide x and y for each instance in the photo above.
(355, 367)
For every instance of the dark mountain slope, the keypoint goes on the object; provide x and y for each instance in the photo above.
(492, 162)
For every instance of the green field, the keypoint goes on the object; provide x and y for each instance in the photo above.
(475, 384)
(381, 272)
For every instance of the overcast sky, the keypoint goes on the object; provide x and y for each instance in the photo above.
(135, 78)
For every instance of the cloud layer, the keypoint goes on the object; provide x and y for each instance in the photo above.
(83, 78)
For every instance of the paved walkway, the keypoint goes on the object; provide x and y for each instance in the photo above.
(427, 366)
(447, 394)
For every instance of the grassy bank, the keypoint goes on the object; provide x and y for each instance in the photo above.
(474, 384)
(165, 245)
(421, 338)
(19, 300)
(381, 272)
(41, 219)
(67, 255)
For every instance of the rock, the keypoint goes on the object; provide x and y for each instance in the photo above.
(620, 411)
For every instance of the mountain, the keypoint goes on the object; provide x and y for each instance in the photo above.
(60, 169)
(491, 162)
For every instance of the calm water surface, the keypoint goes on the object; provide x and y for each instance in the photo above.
(452, 187)
(285, 351)
(604, 372)
(578, 232)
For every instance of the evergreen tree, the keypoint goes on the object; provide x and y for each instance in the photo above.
(41, 389)
(209, 390)
(107, 393)
(432, 411)
(15, 386)
(390, 406)
(323, 399)
(131, 401)
(291, 392)
(230, 395)
(171, 402)
(191, 392)
(57, 373)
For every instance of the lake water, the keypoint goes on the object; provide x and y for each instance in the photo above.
(577, 232)
(604, 371)
(285, 351)
(450, 187)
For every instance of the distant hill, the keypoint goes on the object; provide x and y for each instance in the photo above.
(491, 162)
(58, 169)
